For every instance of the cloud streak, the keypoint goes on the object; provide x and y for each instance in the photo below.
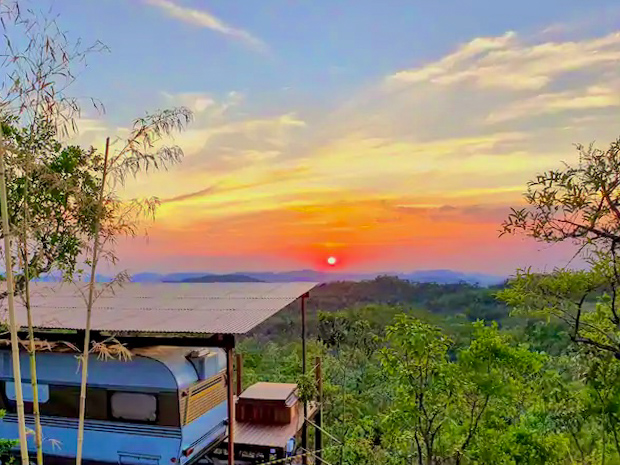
(592, 98)
(204, 19)
(509, 63)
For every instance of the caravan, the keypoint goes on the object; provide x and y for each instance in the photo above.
(166, 405)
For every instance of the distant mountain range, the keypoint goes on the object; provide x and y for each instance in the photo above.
(222, 278)
(423, 276)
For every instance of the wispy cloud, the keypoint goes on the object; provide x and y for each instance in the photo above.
(509, 63)
(205, 19)
(190, 195)
(204, 104)
(219, 193)
(470, 50)
(592, 98)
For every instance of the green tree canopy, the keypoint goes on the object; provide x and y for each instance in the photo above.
(63, 183)
(579, 203)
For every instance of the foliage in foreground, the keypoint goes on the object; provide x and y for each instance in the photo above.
(578, 204)
(410, 392)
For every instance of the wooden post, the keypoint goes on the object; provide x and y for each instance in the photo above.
(304, 427)
(239, 374)
(231, 404)
(318, 431)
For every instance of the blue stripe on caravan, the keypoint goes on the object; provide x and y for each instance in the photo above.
(103, 426)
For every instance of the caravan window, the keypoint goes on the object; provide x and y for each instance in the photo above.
(28, 392)
(134, 406)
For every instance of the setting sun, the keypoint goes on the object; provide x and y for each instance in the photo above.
(331, 261)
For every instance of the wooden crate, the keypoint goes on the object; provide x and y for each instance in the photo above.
(268, 403)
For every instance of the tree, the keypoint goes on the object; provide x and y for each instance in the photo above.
(600, 373)
(62, 200)
(563, 400)
(62, 183)
(497, 381)
(573, 297)
(580, 204)
(457, 408)
(37, 65)
(113, 217)
(423, 386)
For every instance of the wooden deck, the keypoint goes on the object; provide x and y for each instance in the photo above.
(273, 436)
(251, 439)
(268, 416)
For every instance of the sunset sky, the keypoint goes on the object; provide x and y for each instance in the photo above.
(393, 135)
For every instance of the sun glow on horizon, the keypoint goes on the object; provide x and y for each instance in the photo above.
(331, 261)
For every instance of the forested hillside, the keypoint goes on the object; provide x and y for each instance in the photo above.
(443, 371)
(428, 374)
(379, 300)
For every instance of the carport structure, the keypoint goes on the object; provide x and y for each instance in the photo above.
(168, 314)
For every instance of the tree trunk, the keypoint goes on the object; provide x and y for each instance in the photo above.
(89, 307)
(419, 446)
(17, 377)
(429, 453)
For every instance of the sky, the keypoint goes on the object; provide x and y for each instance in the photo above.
(394, 135)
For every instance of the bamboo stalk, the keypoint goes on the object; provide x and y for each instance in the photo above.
(32, 352)
(17, 377)
(34, 381)
(89, 307)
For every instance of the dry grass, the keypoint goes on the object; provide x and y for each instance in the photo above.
(108, 349)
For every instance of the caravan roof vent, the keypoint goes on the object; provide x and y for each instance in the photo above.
(199, 353)
(204, 361)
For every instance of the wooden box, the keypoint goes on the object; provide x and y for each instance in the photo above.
(268, 403)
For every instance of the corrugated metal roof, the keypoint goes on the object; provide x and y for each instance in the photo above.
(269, 391)
(208, 308)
